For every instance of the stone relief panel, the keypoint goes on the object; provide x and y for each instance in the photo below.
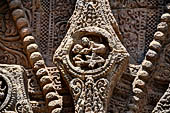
(13, 96)
(48, 21)
(62, 89)
(36, 97)
(162, 74)
(11, 47)
(138, 21)
(163, 104)
(122, 95)
(132, 24)
(159, 84)
(148, 85)
(156, 87)
(88, 53)
(155, 91)
(91, 55)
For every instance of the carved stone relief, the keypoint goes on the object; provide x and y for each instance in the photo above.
(49, 20)
(13, 90)
(91, 55)
(11, 47)
(141, 24)
(134, 32)
(92, 73)
(163, 104)
(122, 93)
(163, 73)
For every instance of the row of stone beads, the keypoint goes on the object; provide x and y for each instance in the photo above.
(143, 75)
(158, 107)
(53, 100)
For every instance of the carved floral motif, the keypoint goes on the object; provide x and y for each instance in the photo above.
(90, 95)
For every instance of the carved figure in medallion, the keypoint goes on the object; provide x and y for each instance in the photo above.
(91, 57)
(89, 50)
(78, 58)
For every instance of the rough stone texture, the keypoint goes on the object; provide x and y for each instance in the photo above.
(13, 90)
(91, 74)
(138, 21)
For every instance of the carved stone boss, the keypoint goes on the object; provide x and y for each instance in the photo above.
(91, 57)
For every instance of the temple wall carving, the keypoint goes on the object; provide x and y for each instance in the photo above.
(84, 56)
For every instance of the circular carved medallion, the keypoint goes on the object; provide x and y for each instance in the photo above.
(90, 52)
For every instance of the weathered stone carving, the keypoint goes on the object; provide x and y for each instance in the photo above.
(163, 73)
(13, 90)
(87, 54)
(11, 47)
(138, 25)
(52, 99)
(49, 20)
(163, 105)
(91, 58)
(134, 32)
(144, 74)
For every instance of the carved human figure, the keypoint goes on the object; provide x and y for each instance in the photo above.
(90, 50)
(78, 58)
(94, 49)
(92, 46)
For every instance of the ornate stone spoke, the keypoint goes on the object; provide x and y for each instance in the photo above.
(91, 57)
